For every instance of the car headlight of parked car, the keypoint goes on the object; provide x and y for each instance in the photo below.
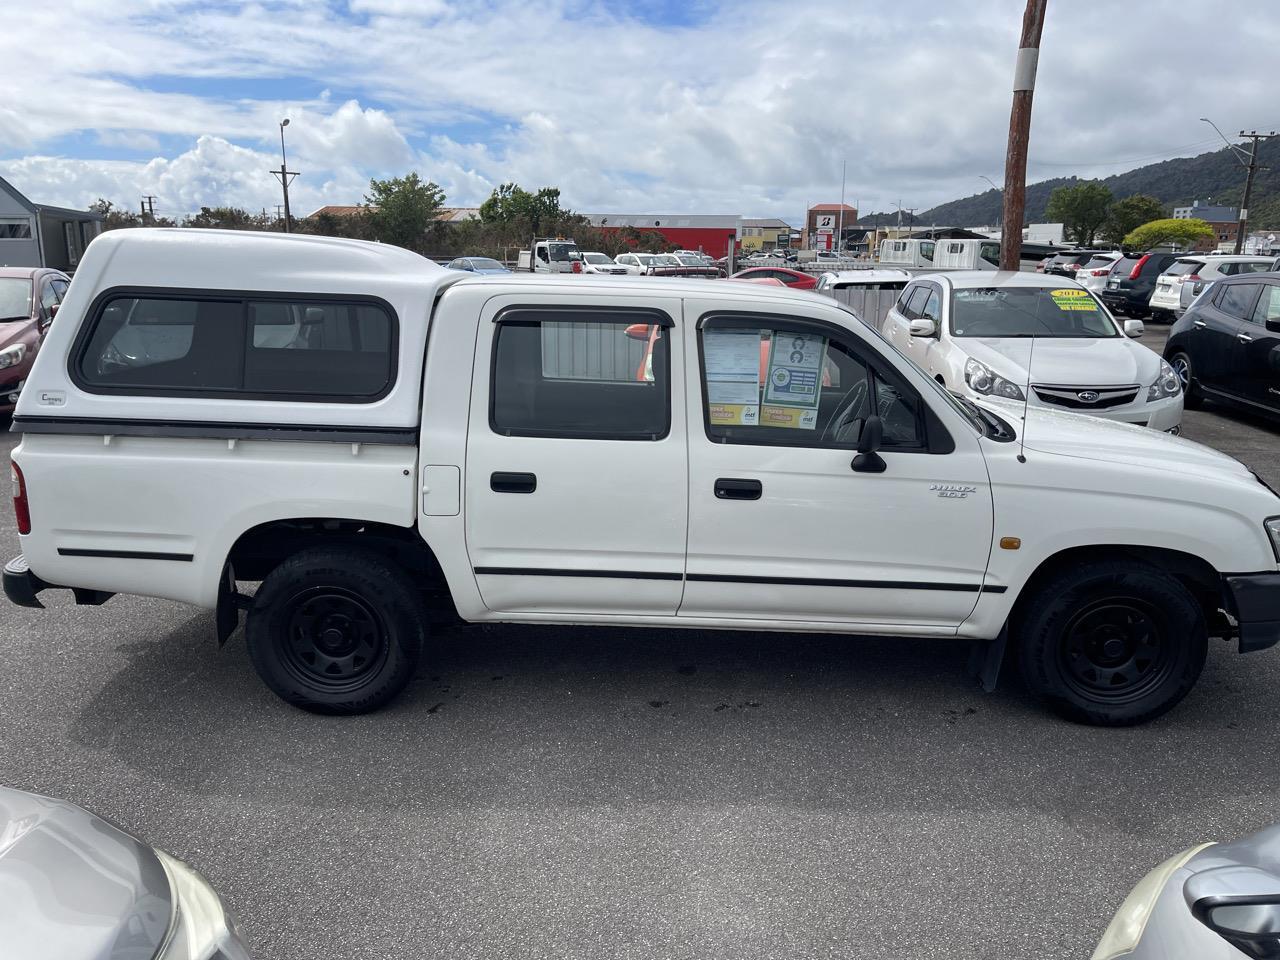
(12, 356)
(1126, 927)
(202, 927)
(1166, 385)
(1273, 531)
(981, 380)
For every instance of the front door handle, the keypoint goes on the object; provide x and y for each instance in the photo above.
(503, 482)
(1199, 323)
(728, 488)
(1244, 338)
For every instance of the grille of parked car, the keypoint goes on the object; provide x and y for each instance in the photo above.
(1086, 398)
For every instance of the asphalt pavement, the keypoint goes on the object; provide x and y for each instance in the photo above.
(627, 793)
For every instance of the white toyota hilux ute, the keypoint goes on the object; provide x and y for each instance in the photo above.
(359, 432)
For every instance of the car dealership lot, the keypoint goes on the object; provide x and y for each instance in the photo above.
(629, 793)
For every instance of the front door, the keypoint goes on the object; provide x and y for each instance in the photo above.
(576, 457)
(1225, 332)
(780, 526)
(1258, 349)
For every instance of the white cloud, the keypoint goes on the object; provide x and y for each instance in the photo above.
(750, 111)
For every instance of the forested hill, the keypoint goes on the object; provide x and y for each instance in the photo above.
(1218, 176)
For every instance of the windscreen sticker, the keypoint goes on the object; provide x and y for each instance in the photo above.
(1073, 300)
(800, 418)
(732, 359)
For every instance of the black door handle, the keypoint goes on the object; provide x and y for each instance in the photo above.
(504, 482)
(727, 488)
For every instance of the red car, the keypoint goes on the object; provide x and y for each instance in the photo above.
(29, 297)
(791, 278)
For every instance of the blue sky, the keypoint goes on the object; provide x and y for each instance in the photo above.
(745, 107)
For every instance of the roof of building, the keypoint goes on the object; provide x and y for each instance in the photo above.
(825, 207)
(650, 221)
(44, 207)
(774, 222)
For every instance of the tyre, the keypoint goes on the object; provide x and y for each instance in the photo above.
(1192, 398)
(1111, 644)
(336, 631)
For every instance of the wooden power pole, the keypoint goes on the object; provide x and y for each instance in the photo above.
(1242, 224)
(1015, 162)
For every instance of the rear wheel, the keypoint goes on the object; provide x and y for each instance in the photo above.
(1191, 396)
(336, 631)
(1112, 644)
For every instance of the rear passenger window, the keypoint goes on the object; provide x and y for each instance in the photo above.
(246, 348)
(1236, 299)
(598, 376)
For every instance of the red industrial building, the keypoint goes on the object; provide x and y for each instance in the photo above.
(712, 235)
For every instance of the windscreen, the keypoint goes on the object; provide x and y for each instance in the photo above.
(563, 251)
(15, 298)
(1028, 312)
(484, 263)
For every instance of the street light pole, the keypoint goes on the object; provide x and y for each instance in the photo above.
(840, 219)
(285, 176)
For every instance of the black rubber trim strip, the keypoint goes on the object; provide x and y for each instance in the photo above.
(94, 426)
(125, 554)
(870, 584)
(550, 572)
(716, 578)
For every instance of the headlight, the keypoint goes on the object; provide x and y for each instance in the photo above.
(981, 380)
(201, 926)
(1273, 531)
(1166, 385)
(12, 356)
(1126, 927)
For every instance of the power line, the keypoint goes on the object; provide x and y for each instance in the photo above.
(1164, 155)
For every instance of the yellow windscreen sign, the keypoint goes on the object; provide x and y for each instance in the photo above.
(1073, 300)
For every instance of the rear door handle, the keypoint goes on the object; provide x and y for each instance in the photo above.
(1198, 323)
(1244, 338)
(728, 488)
(504, 482)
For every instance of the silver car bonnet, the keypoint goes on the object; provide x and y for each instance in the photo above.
(75, 887)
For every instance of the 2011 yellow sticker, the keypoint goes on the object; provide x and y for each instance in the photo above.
(1073, 300)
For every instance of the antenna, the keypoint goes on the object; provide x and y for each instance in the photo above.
(1026, 402)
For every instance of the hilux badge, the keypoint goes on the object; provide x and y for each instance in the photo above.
(952, 491)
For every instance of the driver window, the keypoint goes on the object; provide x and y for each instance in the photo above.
(770, 382)
(933, 307)
(542, 254)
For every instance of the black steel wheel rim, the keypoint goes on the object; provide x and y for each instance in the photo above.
(335, 639)
(1116, 650)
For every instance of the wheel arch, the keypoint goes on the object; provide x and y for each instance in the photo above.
(1196, 574)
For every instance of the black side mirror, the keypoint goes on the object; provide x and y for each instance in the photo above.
(1273, 325)
(868, 460)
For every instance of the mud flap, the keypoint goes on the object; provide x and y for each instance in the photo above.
(227, 613)
(986, 658)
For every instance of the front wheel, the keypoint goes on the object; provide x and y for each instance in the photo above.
(1114, 643)
(1191, 396)
(336, 631)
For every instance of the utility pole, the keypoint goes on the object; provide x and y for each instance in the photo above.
(1243, 223)
(148, 208)
(285, 176)
(1015, 163)
(840, 220)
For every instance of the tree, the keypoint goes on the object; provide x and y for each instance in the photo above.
(528, 214)
(1128, 214)
(113, 217)
(403, 211)
(1081, 209)
(1158, 233)
(229, 218)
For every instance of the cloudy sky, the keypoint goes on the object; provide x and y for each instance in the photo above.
(655, 106)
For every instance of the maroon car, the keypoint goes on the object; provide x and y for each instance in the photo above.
(29, 298)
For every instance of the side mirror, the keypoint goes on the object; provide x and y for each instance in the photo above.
(637, 331)
(1133, 328)
(923, 327)
(868, 460)
(1273, 324)
(1251, 925)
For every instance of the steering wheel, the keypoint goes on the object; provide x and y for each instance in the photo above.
(853, 400)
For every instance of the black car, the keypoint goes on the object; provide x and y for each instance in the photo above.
(1226, 346)
(1133, 280)
(1067, 262)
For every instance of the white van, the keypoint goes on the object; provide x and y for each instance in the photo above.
(362, 433)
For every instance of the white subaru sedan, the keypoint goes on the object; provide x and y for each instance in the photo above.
(1042, 340)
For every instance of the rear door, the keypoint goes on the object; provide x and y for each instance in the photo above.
(577, 464)
(1258, 348)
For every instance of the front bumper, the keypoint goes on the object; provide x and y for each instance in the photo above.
(1254, 600)
(23, 587)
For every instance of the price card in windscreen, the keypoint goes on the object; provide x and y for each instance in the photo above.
(732, 359)
(794, 383)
